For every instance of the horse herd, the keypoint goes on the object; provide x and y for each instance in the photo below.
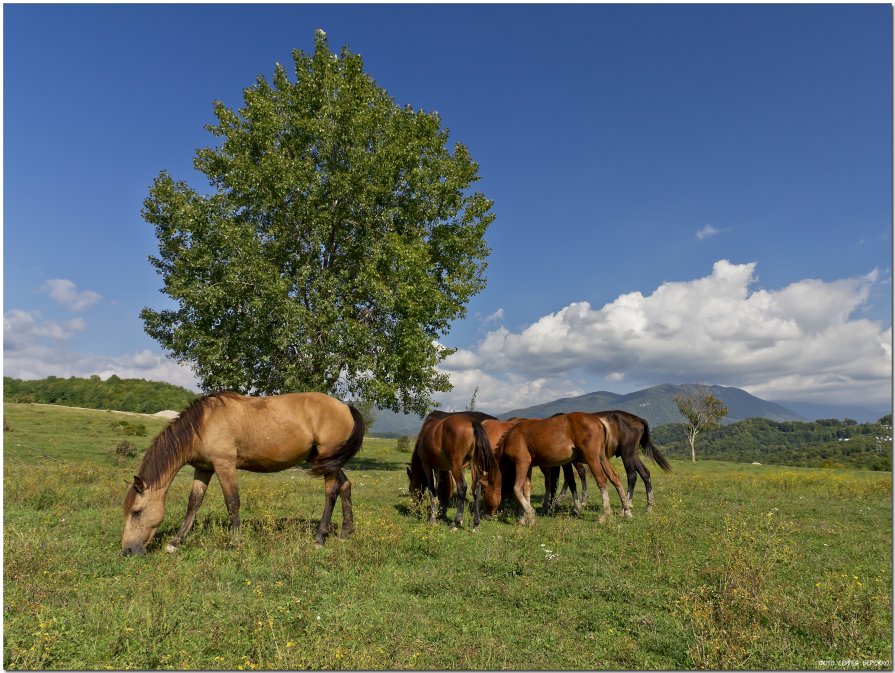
(502, 454)
(223, 432)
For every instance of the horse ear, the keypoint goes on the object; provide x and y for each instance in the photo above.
(139, 486)
(408, 471)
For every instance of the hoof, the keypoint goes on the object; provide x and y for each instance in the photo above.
(628, 514)
(454, 528)
(170, 548)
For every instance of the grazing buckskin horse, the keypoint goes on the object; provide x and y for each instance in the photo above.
(224, 432)
(556, 441)
(628, 432)
(446, 443)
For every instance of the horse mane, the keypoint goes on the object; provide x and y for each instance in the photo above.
(174, 443)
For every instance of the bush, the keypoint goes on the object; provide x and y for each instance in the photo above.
(403, 444)
(126, 449)
(130, 429)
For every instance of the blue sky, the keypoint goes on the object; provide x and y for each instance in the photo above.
(693, 193)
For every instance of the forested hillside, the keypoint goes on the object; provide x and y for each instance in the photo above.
(137, 395)
(823, 443)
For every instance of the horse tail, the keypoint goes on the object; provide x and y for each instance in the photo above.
(482, 455)
(651, 451)
(345, 451)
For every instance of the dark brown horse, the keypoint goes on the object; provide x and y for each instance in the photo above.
(224, 432)
(446, 444)
(628, 432)
(556, 441)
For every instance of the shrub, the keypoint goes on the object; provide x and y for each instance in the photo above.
(130, 429)
(126, 449)
(403, 444)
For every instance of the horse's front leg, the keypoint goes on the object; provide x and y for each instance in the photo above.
(522, 491)
(197, 493)
(434, 500)
(331, 486)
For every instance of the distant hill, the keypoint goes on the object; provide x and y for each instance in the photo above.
(828, 443)
(657, 405)
(861, 414)
(138, 395)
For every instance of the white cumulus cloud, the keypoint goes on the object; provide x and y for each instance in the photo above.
(66, 293)
(801, 341)
(34, 348)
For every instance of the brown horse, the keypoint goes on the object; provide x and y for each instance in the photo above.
(498, 484)
(223, 432)
(628, 432)
(446, 443)
(496, 488)
(556, 441)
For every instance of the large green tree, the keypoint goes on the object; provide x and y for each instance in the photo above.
(338, 241)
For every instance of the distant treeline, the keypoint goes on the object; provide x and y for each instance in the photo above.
(823, 443)
(139, 395)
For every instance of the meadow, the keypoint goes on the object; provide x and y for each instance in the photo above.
(738, 566)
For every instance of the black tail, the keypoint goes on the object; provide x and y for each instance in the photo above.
(346, 451)
(651, 451)
(482, 455)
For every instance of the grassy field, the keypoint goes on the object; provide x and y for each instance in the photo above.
(739, 566)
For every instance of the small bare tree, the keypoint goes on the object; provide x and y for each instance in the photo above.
(702, 410)
(471, 405)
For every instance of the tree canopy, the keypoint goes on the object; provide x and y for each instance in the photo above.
(139, 395)
(339, 240)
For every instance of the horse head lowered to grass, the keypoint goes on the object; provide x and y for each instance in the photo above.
(445, 444)
(224, 432)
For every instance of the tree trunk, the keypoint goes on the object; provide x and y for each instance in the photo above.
(691, 436)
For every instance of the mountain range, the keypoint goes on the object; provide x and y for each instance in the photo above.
(655, 404)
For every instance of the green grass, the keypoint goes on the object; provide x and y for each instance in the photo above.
(739, 566)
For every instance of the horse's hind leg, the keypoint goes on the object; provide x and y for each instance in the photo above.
(581, 469)
(227, 478)
(347, 509)
(551, 481)
(631, 472)
(461, 498)
(644, 474)
(331, 489)
(569, 476)
(197, 493)
(597, 469)
(613, 477)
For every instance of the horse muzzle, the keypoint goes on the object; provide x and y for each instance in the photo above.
(133, 550)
